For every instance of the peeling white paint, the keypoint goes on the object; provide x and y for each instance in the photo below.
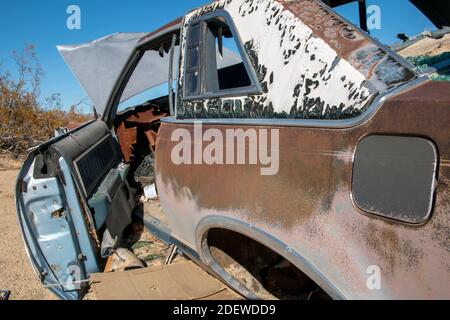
(302, 66)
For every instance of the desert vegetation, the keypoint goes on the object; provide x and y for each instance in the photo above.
(26, 118)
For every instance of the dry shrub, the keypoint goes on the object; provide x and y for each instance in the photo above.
(24, 121)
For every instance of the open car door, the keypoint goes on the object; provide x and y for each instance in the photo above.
(69, 191)
(73, 197)
(73, 200)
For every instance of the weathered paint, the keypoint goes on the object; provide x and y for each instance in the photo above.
(308, 205)
(340, 70)
(162, 29)
(127, 125)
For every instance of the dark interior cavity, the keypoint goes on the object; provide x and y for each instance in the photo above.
(259, 269)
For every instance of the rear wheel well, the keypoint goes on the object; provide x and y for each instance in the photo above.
(259, 269)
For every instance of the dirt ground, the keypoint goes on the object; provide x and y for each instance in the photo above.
(428, 46)
(16, 273)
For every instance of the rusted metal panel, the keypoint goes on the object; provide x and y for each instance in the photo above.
(127, 138)
(151, 137)
(128, 124)
(340, 69)
(350, 43)
(308, 204)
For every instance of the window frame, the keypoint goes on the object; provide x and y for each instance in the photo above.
(253, 89)
(198, 44)
(340, 124)
(150, 41)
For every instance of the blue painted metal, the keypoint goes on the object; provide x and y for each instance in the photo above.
(55, 233)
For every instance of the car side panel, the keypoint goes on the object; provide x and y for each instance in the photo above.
(308, 205)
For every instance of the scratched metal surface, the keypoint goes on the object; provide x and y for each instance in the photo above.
(308, 204)
(340, 70)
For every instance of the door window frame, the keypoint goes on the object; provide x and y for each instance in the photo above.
(151, 41)
(253, 89)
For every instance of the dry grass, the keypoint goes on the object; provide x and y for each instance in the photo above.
(23, 127)
(25, 119)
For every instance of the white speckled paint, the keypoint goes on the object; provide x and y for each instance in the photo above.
(303, 67)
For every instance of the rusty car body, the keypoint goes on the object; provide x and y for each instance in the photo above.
(363, 174)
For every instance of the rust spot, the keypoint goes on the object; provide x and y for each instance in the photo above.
(441, 233)
(144, 118)
(286, 199)
(349, 43)
(397, 252)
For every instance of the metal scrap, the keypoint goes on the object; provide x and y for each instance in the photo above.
(171, 255)
(4, 295)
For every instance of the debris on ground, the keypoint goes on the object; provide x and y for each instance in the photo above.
(178, 281)
(123, 259)
(166, 274)
(140, 250)
(171, 255)
(151, 250)
(150, 192)
(4, 295)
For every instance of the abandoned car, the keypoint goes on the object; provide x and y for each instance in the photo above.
(293, 154)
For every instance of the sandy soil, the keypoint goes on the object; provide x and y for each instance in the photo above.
(428, 47)
(16, 273)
